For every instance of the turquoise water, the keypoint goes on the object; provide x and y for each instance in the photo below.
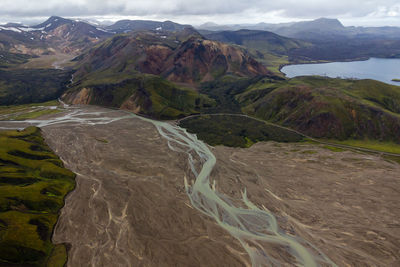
(381, 69)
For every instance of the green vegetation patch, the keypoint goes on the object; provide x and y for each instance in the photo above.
(23, 86)
(309, 152)
(36, 114)
(388, 147)
(322, 107)
(33, 184)
(334, 148)
(101, 140)
(58, 256)
(29, 111)
(145, 94)
(236, 131)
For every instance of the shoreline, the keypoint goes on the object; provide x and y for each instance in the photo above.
(321, 62)
(394, 82)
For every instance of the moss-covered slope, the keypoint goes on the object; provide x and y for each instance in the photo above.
(33, 184)
(328, 108)
(141, 93)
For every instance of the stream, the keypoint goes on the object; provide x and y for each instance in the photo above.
(253, 226)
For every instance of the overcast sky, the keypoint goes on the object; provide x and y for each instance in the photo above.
(350, 12)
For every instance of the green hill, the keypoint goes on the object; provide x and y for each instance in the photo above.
(327, 108)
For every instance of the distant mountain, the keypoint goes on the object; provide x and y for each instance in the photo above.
(315, 30)
(312, 30)
(272, 26)
(208, 25)
(331, 29)
(55, 34)
(318, 24)
(323, 39)
(348, 49)
(124, 26)
(70, 34)
(262, 41)
(52, 23)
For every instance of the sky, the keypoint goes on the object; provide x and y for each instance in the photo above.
(196, 12)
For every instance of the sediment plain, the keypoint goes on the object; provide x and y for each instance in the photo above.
(130, 207)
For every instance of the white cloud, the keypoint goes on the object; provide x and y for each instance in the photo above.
(221, 11)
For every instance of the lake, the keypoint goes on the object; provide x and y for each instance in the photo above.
(381, 69)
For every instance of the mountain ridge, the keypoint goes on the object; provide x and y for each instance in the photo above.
(124, 26)
(54, 34)
(323, 26)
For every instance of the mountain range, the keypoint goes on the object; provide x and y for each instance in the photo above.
(168, 70)
(313, 30)
(329, 39)
(124, 26)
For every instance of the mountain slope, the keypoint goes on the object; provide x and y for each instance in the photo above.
(190, 61)
(198, 60)
(328, 108)
(70, 35)
(141, 93)
(8, 60)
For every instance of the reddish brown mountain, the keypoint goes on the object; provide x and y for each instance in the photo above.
(178, 57)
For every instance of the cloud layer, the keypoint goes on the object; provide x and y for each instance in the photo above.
(221, 11)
